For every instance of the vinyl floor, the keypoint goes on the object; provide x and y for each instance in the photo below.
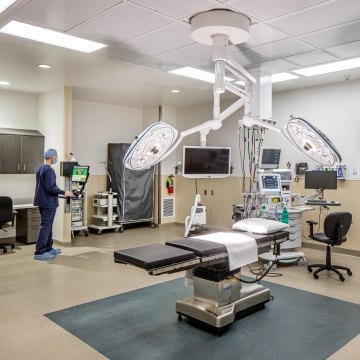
(86, 272)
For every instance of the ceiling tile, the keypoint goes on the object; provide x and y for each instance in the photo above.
(311, 58)
(321, 17)
(167, 38)
(250, 57)
(285, 48)
(118, 25)
(270, 9)
(189, 54)
(260, 34)
(176, 9)
(346, 50)
(335, 36)
(206, 65)
(61, 15)
(276, 66)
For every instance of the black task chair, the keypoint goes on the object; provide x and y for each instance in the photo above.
(336, 226)
(6, 216)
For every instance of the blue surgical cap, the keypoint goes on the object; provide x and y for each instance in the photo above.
(49, 153)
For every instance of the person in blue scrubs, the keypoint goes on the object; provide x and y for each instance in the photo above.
(46, 198)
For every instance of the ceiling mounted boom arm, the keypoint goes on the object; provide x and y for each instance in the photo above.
(217, 28)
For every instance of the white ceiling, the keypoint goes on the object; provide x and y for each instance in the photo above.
(146, 38)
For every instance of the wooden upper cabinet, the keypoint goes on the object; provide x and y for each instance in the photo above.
(21, 151)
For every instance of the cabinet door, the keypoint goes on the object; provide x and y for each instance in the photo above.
(32, 150)
(10, 154)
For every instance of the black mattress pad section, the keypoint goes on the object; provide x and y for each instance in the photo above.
(198, 247)
(152, 256)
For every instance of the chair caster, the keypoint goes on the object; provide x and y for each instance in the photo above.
(349, 272)
(309, 269)
(342, 278)
(13, 247)
(5, 250)
(316, 276)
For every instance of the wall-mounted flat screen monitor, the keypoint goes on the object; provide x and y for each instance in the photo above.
(269, 157)
(206, 162)
(80, 174)
(320, 179)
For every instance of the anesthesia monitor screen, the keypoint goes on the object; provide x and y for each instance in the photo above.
(270, 182)
(80, 174)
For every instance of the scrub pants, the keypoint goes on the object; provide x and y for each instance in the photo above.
(45, 242)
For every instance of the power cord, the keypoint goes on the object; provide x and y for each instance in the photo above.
(257, 280)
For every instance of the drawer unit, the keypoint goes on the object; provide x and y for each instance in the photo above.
(27, 225)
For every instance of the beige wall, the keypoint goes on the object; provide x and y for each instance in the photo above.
(346, 194)
(227, 193)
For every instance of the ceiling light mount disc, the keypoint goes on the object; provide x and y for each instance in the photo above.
(206, 24)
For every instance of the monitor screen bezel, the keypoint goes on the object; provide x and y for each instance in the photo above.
(268, 165)
(272, 191)
(201, 175)
(322, 172)
(74, 177)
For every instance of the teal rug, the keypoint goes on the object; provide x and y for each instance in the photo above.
(143, 324)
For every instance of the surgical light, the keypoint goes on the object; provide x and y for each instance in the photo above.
(150, 146)
(311, 141)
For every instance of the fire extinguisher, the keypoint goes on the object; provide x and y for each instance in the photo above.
(170, 184)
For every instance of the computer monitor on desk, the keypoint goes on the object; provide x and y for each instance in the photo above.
(320, 180)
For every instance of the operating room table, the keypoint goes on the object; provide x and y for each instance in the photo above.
(219, 295)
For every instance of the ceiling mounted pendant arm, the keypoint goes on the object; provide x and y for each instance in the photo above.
(250, 121)
(235, 89)
(237, 70)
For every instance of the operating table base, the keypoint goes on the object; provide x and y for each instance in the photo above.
(252, 297)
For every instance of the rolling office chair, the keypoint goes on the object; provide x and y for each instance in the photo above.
(336, 226)
(6, 215)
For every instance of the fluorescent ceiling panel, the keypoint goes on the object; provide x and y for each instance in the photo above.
(197, 74)
(282, 77)
(4, 4)
(329, 68)
(51, 37)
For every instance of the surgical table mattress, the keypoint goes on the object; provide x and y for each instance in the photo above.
(177, 255)
(153, 256)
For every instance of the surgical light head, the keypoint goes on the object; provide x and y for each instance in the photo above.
(151, 146)
(311, 141)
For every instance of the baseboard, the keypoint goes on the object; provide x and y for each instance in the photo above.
(334, 249)
(63, 243)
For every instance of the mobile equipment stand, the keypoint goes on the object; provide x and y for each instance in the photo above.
(104, 220)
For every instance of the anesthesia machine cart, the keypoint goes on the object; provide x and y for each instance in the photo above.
(76, 177)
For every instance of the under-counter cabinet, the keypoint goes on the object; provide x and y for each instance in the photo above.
(27, 225)
(21, 151)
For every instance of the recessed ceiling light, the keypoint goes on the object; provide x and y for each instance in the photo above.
(4, 83)
(44, 66)
(51, 37)
(328, 68)
(282, 77)
(175, 91)
(4, 4)
(197, 74)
